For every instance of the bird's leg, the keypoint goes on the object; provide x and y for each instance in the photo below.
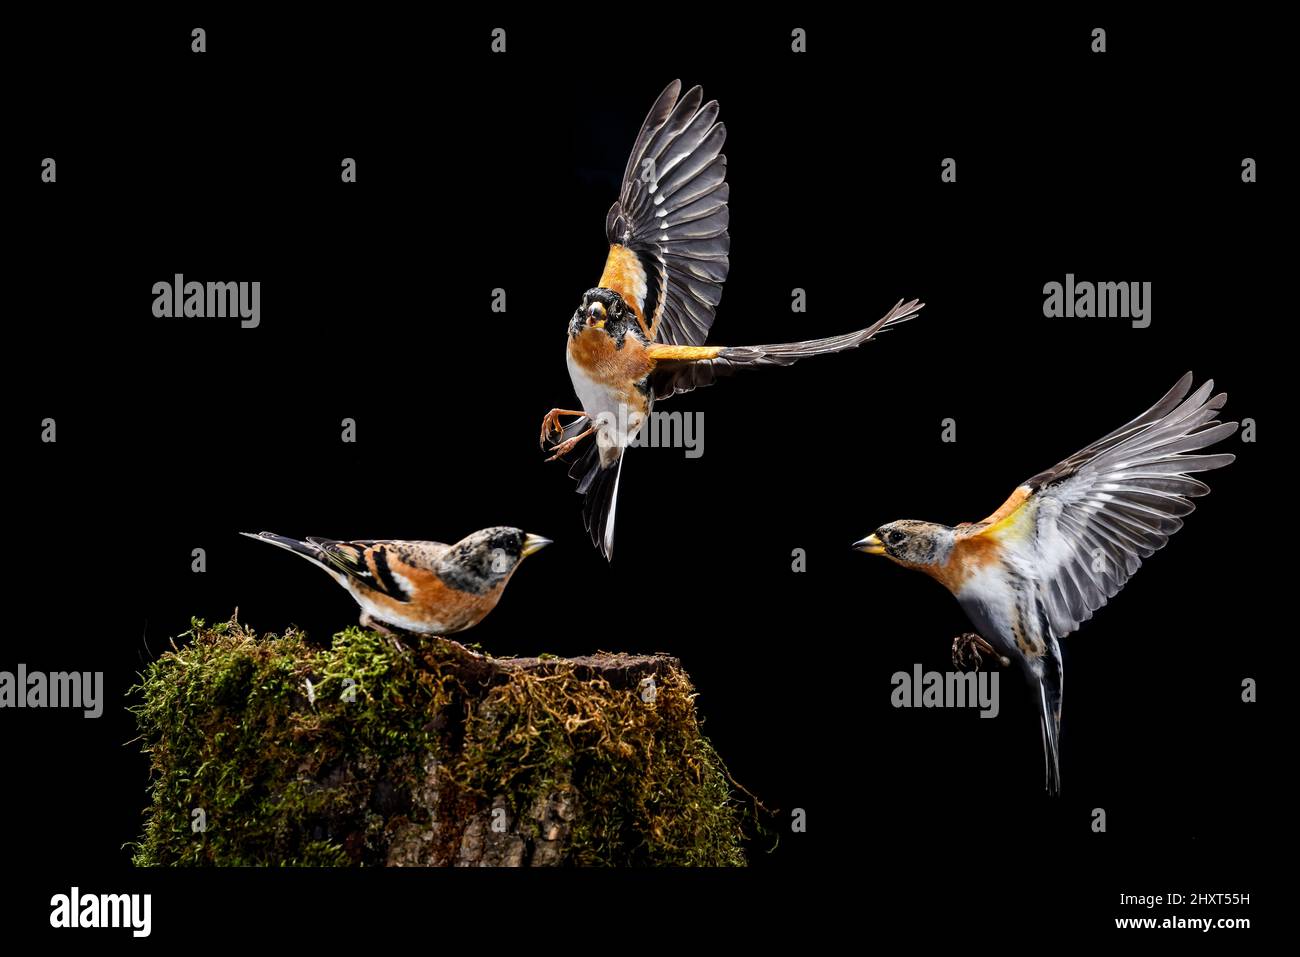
(368, 622)
(551, 422)
(565, 447)
(966, 652)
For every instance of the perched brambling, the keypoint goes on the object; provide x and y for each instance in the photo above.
(1067, 540)
(637, 337)
(426, 588)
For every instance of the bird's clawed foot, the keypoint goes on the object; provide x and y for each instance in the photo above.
(966, 652)
(565, 447)
(551, 424)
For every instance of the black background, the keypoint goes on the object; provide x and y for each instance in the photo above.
(479, 171)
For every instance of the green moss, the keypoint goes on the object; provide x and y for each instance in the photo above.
(653, 790)
(392, 743)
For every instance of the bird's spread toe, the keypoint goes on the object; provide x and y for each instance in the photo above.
(965, 652)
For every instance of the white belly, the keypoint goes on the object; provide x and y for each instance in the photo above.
(385, 616)
(990, 604)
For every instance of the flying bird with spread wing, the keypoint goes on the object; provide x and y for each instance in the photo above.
(637, 337)
(425, 588)
(1066, 541)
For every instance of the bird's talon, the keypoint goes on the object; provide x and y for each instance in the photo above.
(965, 652)
(548, 426)
(551, 424)
(562, 448)
(567, 446)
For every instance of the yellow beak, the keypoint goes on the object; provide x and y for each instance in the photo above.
(871, 545)
(534, 543)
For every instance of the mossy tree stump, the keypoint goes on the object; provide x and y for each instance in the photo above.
(269, 750)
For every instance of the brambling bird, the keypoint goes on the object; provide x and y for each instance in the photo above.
(637, 337)
(1066, 541)
(426, 588)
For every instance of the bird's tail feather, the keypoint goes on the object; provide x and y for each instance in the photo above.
(1049, 716)
(1051, 755)
(307, 550)
(599, 487)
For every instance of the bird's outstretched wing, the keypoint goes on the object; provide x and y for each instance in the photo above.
(683, 368)
(668, 229)
(1082, 528)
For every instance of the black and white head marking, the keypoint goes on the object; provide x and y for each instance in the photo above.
(482, 561)
(916, 543)
(604, 309)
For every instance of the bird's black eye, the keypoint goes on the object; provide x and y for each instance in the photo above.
(894, 537)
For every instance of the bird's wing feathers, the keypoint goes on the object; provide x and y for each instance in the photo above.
(683, 368)
(388, 567)
(1084, 526)
(668, 229)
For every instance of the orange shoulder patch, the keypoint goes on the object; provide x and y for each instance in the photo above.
(626, 276)
(1008, 507)
(664, 353)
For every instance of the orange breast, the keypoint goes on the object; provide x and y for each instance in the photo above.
(979, 545)
(969, 555)
(594, 352)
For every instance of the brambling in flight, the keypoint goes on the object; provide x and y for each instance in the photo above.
(1067, 540)
(637, 337)
(425, 588)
